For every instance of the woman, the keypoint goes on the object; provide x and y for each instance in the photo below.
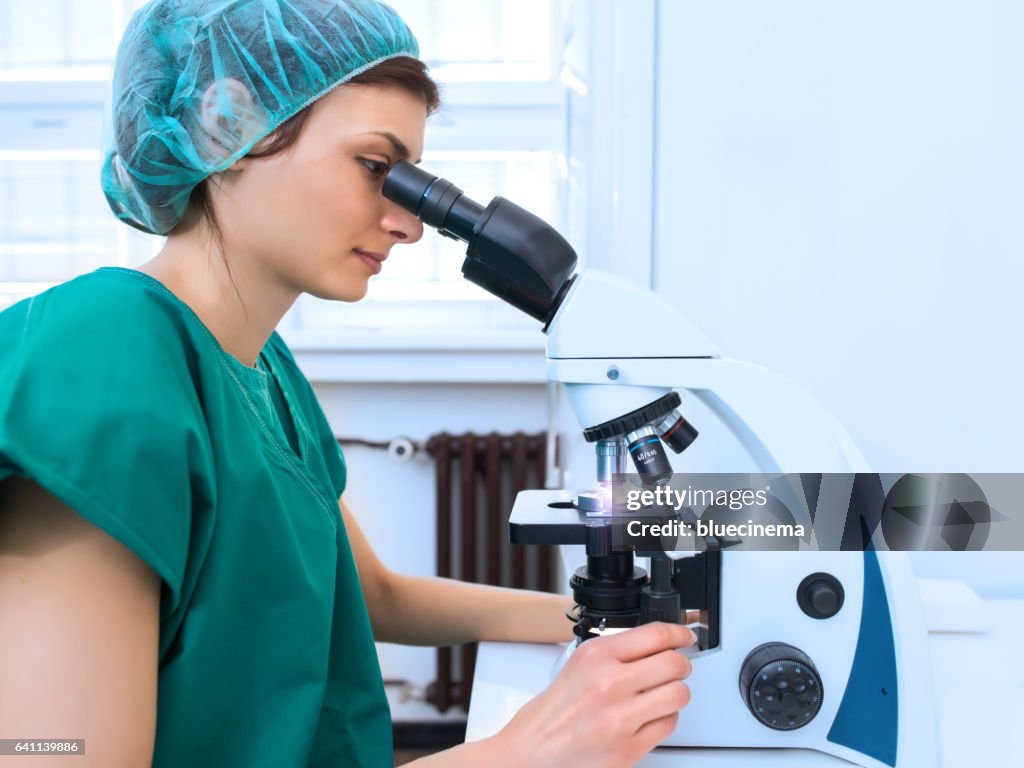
(180, 583)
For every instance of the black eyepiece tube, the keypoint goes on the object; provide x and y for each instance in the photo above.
(438, 202)
(407, 185)
(513, 254)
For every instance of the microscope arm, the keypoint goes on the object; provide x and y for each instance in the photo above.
(617, 346)
(781, 426)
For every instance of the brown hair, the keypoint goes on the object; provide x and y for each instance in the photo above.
(401, 72)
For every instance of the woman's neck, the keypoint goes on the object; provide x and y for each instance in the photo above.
(241, 306)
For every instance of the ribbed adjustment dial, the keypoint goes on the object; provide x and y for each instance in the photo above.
(780, 686)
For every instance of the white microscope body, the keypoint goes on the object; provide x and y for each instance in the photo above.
(806, 652)
(868, 664)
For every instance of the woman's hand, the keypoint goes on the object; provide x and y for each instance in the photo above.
(616, 699)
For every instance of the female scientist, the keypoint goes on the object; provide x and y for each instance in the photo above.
(179, 582)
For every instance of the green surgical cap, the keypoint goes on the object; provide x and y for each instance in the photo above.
(198, 82)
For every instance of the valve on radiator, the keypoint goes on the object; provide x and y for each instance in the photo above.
(402, 449)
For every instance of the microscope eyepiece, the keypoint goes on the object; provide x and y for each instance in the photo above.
(512, 253)
(407, 185)
(438, 202)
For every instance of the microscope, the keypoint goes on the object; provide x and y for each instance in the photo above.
(799, 653)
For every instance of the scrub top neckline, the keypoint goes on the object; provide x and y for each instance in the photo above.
(255, 376)
(256, 379)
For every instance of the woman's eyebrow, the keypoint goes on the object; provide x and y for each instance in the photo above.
(400, 148)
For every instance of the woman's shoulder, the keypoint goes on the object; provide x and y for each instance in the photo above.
(107, 312)
(114, 331)
(121, 298)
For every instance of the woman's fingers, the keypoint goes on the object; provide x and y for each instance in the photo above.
(617, 698)
(658, 669)
(646, 640)
(655, 732)
(657, 703)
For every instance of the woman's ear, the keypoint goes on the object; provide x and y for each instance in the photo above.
(230, 119)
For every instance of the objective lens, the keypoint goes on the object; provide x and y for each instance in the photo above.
(649, 456)
(611, 460)
(677, 432)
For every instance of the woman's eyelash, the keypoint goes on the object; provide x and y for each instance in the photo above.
(375, 167)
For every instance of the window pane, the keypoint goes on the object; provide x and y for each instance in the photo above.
(54, 221)
(482, 39)
(57, 33)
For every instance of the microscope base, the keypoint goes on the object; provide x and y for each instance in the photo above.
(974, 729)
(510, 674)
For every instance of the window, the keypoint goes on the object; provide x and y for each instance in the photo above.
(500, 132)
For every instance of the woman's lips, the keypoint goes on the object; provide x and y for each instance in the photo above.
(372, 260)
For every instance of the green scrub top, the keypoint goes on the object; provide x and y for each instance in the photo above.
(116, 399)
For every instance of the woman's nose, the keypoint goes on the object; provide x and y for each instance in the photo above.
(405, 227)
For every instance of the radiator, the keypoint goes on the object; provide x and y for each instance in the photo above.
(478, 477)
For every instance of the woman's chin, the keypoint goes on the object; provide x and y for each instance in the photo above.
(349, 292)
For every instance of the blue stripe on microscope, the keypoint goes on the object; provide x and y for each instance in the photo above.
(645, 442)
(868, 717)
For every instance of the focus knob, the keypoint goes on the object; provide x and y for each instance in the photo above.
(780, 686)
(820, 595)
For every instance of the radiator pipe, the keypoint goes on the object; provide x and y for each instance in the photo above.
(440, 695)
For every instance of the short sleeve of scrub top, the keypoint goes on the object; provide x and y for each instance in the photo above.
(224, 479)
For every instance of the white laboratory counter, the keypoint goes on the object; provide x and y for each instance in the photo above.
(978, 677)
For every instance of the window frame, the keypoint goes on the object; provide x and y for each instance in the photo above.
(45, 107)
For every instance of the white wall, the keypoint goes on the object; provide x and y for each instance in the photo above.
(841, 188)
(835, 194)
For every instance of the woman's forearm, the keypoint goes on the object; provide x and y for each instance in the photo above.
(436, 611)
(489, 752)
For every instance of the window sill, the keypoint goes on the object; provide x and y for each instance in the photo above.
(409, 357)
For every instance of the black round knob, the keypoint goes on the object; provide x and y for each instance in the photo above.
(582, 628)
(780, 686)
(820, 595)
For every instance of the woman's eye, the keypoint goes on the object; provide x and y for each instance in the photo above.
(375, 167)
